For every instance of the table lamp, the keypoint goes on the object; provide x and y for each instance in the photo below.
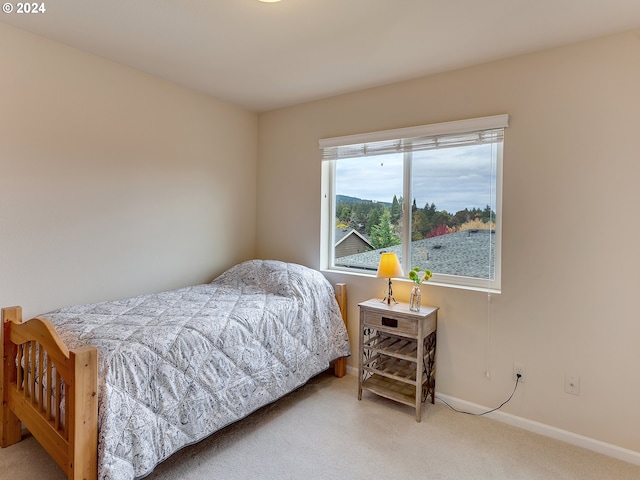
(389, 267)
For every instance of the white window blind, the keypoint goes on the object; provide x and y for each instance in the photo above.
(441, 135)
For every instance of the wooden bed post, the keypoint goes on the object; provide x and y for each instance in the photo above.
(340, 365)
(83, 415)
(10, 426)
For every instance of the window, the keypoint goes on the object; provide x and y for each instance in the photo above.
(431, 194)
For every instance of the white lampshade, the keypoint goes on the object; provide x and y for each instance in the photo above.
(389, 266)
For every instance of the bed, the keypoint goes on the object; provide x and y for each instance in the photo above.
(112, 389)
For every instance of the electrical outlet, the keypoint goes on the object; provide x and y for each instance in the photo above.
(572, 384)
(518, 369)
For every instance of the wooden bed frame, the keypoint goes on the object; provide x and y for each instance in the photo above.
(31, 395)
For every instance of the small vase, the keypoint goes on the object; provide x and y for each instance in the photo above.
(414, 304)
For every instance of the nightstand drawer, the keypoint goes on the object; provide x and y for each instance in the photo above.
(390, 323)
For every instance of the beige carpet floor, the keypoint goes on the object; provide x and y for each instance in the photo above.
(322, 432)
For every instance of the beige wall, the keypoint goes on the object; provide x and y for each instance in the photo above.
(113, 182)
(570, 256)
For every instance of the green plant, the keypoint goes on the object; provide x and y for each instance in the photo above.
(417, 277)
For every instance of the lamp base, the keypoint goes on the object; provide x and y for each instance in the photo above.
(389, 298)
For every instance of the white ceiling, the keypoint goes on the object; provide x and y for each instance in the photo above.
(263, 56)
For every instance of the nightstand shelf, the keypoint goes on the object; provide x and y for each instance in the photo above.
(405, 349)
(397, 352)
(392, 389)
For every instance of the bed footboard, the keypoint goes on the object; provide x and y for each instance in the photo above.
(52, 391)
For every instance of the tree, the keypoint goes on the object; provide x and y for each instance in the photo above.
(488, 215)
(396, 210)
(373, 218)
(420, 225)
(441, 218)
(345, 213)
(341, 225)
(461, 217)
(429, 211)
(354, 221)
(383, 234)
(441, 229)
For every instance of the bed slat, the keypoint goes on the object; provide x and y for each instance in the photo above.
(41, 383)
(49, 392)
(20, 379)
(32, 373)
(56, 403)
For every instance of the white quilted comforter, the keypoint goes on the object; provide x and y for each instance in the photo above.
(174, 367)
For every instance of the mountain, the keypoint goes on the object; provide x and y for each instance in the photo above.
(348, 199)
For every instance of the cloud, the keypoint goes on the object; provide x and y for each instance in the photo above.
(452, 178)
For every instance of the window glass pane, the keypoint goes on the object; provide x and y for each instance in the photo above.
(368, 210)
(453, 210)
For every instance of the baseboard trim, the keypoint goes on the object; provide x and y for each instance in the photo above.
(594, 445)
(571, 438)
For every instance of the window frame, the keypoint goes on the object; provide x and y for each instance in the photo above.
(331, 148)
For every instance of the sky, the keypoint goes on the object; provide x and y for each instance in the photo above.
(452, 178)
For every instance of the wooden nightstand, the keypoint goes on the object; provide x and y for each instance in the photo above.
(397, 352)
